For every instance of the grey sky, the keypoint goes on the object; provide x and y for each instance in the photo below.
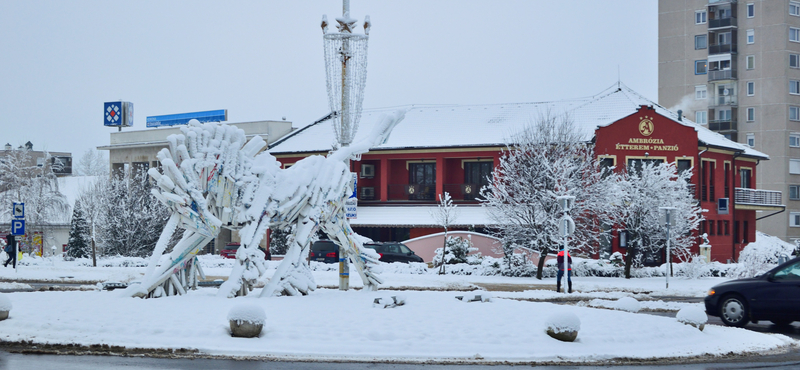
(60, 60)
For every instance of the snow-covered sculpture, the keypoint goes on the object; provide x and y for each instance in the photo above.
(211, 179)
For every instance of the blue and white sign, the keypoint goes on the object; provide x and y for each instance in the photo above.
(351, 204)
(18, 210)
(184, 118)
(17, 227)
(118, 114)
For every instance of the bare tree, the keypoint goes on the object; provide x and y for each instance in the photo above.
(550, 158)
(445, 214)
(92, 163)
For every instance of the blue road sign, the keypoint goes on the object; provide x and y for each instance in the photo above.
(18, 227)
(18, 210)
(184, 118)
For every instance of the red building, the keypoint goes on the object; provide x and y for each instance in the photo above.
(454, 148)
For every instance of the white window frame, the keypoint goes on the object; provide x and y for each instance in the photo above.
(794, 34)
(703, 17)
(751, 114)
(796, 60)
(796, 191)
(751, 10)
(794, 113)
(794, 8)
(751, 140)
(704, 37)
(794, 87)
(701, 117)
(794, 219)
(701, 92)
(794, 166)
(751, 36)
(794, 139)
(751, 88)
(750, 62)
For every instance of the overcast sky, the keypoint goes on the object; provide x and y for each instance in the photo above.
(263, 60)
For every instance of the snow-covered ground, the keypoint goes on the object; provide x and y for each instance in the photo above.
(331, 324)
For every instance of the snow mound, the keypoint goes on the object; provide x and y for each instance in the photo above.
(692, 315)
(247, 312)
(627, 304)
(478, 295)
(762, 255)
(5, 303)
(563, 322)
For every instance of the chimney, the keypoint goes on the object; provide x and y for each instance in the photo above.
(29, 145)
(8, 146)
(680, 115)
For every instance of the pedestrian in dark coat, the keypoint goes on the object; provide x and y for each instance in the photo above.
(562, 266)
(11, 250)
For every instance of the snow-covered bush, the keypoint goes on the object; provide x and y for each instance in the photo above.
(694, 316)
(458, 250)
(247, 312)
(617, 259)
(761, 255)
(694, 269)
(5, 303)
(627, 304)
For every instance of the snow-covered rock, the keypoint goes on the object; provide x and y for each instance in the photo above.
(246, 320)
(563, 326)
(5, 306)
(627, 304)
(694, 316)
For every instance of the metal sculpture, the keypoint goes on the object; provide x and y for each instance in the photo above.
(211, 179)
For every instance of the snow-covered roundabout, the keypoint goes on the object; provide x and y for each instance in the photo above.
(328, 324)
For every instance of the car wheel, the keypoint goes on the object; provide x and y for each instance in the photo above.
(733, 311)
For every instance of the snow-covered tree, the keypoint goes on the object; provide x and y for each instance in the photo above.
(79, 244)
(457, 250)
(279, 240)
(648, 186)
(445, 215)
(92, 163)
(550, 158)
(132, 218)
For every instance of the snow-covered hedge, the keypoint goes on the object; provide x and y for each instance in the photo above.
(762, 255)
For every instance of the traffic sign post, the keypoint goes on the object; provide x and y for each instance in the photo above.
(18, 210)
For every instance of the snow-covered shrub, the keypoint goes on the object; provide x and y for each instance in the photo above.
(458, 249)
(617, 259)
(627, 304)
(5, 303)
(694, 316)
(694, 269)
(247, 312)
(761, 255)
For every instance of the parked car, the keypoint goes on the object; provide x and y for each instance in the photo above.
(230, 251)
(773, 296)
(394, 252)
(324, 251)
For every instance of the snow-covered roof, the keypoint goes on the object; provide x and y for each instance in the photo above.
(416, 216)
(438, 126)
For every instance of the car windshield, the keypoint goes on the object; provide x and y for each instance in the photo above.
(323, 246)
(791, 272)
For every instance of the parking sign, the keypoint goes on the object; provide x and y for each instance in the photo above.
(18, 227)
(18, 210)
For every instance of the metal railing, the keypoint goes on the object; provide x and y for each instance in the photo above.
(725, 100)
(728, 74)
(412, 192)
(722, 49)
(464, 192)
(722, 22)
(758, 197)
(722, 124)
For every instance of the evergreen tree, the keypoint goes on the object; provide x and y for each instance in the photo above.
(79, 243)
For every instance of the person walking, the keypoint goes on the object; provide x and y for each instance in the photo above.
(11, 250)
(564, 264)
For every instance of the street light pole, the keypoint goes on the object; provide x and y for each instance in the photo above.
(668, 219)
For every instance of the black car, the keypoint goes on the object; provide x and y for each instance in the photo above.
(774, 296)
(394, 252)
(324, 251)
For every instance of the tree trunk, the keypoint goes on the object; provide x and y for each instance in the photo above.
(629, 260)
(540, 265)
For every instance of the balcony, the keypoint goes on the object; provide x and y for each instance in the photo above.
(722, 23)
(722, 49)
(758, 199)
(723, 101)
(728, 124)
(720, 2)
(463, 192)
(412, 193)
(728, 74)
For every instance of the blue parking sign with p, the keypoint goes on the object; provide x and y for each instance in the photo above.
(18, 227)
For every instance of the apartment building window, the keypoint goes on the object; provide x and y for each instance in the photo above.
(751, 10)
(700, 42)
(751, 88)
(794, 166)
(794, 87)
(751, 140)
(744, 178)
(701, 117)
(700, 67)
(751, 36)
(700, 17)
(794, 60)
(794, 140)
(794, 113)
(751, 62)
(751, 114)
(726, 224)
(794, 34)
(794, 8)
(794, 219)
(711, 227)
(794, 192)
(724, 115)
(700, 92)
